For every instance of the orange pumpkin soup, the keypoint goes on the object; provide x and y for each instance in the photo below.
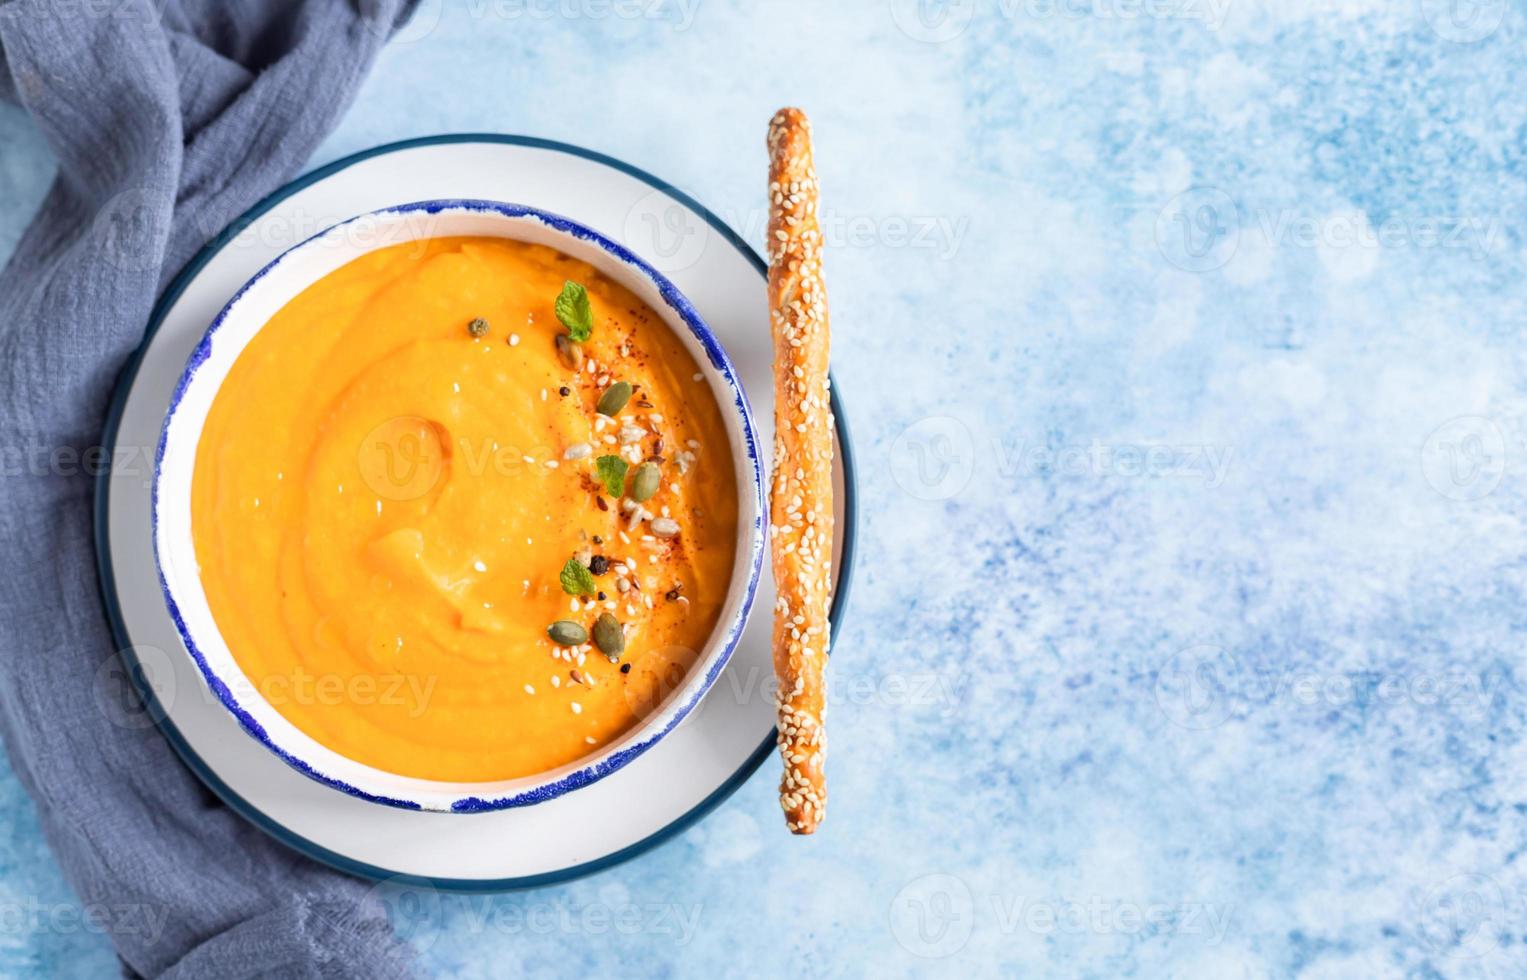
(444, 539)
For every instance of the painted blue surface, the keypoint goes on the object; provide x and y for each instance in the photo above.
(1182, 346)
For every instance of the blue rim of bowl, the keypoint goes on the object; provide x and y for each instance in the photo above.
(605, 765)
(132, 664)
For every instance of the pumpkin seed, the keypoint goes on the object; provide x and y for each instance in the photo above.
(570, 351)
(566, 633)
(645, 482)
(614, 399)
(608, 636)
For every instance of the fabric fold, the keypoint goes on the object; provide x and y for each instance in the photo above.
(168, 119)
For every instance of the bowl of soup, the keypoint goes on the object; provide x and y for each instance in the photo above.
(458, 506)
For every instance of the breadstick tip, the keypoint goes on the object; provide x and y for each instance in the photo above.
(789, 123)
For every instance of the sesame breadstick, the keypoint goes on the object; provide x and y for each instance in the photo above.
(800, 500)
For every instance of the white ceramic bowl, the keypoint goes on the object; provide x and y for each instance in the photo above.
(249, 310)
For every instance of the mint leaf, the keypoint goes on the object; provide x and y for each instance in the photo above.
(611, 471)
(574, 311)
(576, 579)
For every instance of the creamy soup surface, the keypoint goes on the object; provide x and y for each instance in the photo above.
(395, 477)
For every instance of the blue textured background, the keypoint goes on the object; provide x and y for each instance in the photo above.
(1181, 340)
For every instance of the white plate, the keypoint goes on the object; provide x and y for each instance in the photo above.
(674, 784)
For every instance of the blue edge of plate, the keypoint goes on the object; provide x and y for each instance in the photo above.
(243, 807)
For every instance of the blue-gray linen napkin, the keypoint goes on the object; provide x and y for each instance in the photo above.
(168, 119)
